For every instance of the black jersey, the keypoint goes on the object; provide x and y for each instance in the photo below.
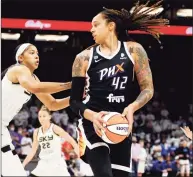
(110, 80)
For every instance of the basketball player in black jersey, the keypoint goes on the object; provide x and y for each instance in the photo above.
(109, 67)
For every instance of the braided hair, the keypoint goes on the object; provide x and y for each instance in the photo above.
(139, 19)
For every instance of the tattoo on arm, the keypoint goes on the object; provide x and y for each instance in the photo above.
(143, 73)
(79, 65)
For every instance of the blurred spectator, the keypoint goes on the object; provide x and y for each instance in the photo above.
(165, 147)
(26, 144)
(158, 169)
(18, 144)
(14, 134)
(64, 119)
(170, 166)
(172, 150)
(34, 114)
(21, 119)
(56, 117)
(183, 154)
(141, 159)
(135, 150)
(156, 149)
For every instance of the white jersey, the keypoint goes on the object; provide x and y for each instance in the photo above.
(14, 96)
(50, 144)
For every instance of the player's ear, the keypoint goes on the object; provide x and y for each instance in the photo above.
(20, 58)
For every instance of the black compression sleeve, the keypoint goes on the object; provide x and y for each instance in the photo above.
(76, 96)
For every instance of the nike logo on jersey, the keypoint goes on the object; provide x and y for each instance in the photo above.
(123, 57)
(97, 59)
(111, 71)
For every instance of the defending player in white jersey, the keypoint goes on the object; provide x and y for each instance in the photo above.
(18, 84)
(48, 136)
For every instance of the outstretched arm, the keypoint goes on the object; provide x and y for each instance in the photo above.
(50, 102)
(25, 78)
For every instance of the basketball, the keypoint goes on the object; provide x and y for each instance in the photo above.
(117, 129)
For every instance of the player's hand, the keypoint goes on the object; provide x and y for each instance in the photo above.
(98, 122)
(187, 132)
(128, 113)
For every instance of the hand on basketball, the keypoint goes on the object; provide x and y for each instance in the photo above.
(128, 113)
(98, 122)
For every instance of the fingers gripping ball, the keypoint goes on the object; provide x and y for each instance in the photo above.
(117, 128)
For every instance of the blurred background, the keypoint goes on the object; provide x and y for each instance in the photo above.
(157, 124)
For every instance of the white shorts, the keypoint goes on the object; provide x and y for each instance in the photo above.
(16, 167)
(184, 166)
(141, 166)
(6, 137)
(51, 167)
(85, 169)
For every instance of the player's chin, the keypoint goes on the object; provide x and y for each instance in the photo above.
(36, 66)
(97, 41)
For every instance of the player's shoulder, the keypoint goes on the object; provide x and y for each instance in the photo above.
(18, 68)
(84, 55)
(133, 44)
(36, 131)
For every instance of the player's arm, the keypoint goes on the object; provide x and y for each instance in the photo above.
(34, 149)
(50, 102)
(27, 81)
(143, 74)
(63, 134)
(78, 83)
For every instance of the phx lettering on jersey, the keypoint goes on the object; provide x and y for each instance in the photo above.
(111, 71)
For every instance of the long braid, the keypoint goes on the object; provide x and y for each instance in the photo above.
(139, 19)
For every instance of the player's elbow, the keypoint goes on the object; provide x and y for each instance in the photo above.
(35, 88)
(151, 93)
(56, 105)
(51, 105)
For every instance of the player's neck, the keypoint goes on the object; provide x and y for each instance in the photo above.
(46, 127)
(30, 68)
(111, 44)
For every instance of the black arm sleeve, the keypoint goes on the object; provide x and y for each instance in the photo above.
(76, 96)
